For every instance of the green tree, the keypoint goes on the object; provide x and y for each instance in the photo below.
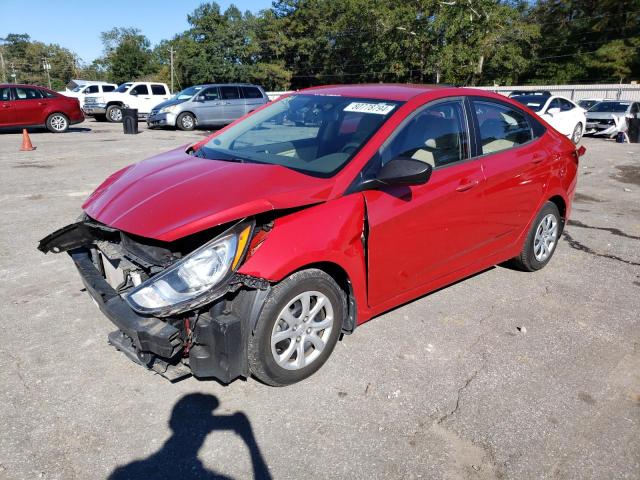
(127, 55)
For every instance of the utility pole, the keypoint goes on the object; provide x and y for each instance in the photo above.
(4, 73)
(13, 72)
(46, 67)
(171, 62)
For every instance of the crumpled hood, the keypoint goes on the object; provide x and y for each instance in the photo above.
(168, 103)
(174, 194)
(604, 115)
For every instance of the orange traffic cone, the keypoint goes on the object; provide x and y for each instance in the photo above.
(26, 142)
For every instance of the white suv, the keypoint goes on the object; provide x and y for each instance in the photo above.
(140, 95)
(89, 88)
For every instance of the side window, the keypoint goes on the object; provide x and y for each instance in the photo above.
(210, 94)
(108, 88)
(437, 135)
(501, 127)
(229, 93)
(92, 89)
(251, 92)
(5, 94)
(555, 103)
(565, 105)
(23, 93)
(140, 90)
(158, 90)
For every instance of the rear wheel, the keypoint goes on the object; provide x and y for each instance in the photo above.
(541, 240)
(186, 121)
(57, 123)
(298, 328)
(576, 136)
(114, 113)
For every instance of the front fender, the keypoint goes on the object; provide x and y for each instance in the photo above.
(330, 232)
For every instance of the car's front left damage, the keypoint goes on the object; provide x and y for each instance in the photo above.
(180, 307)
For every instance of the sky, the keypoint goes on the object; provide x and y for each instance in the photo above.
(76, 25)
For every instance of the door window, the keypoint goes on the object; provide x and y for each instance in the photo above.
(565, 105)
(24, 93)
(229, 93)
(251, 92)
(140, 90)
(437, 135)
(108, 88)
(158, 90)
(92, 89)
(555, 103)
(501, 127)
(5, 94)
(210, 94)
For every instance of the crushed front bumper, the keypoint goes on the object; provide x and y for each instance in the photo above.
(161, 120)
(93, 109)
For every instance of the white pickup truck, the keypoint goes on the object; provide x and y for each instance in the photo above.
(141, 95)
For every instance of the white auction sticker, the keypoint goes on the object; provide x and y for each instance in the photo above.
(362, 107)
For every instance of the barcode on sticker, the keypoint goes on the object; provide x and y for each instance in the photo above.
(363, 107)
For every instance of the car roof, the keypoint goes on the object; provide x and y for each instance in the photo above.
(22, 85)
(378, 91)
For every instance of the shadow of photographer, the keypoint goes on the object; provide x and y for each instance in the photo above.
(192, 419)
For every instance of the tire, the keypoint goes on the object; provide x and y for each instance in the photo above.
(576, 136)
(186, 121)
(57, 123)
(542, 239)
(277, 362)
(114, 113)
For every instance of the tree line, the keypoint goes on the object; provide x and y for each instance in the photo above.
(299, 43)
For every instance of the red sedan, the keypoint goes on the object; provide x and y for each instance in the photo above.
(250, 252)
(30, 106)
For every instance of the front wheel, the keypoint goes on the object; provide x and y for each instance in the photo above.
(114, 113)
(542, 239)
(186, 121)
(576, 136)
(57, 123)
(298, 328)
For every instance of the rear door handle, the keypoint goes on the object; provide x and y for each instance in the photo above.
(467, 186)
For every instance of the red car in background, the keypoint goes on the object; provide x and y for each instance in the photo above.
(250, 252)
(25, 106)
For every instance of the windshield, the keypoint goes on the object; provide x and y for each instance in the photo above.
(78, 88)
(534, 102)
(313, 134)
(187, 93)
(618, 107)
(123, 88)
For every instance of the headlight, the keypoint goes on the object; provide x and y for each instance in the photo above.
(193, 280)
(168, 109)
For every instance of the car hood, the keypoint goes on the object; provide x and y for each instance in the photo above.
(168, 103)
(175, 194)
(604, 115)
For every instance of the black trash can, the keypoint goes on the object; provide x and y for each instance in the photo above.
(634, 130)
(130, 121)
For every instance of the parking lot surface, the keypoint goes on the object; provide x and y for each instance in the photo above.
(503, 375)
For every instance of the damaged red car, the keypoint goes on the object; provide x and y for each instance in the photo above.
(252, 251)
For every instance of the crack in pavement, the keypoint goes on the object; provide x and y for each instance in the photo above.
(460, 390)
(575, 244)
(613, 231)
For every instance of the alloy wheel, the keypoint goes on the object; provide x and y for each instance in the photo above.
(577, 134)
(115, 114)
(58, 123)
(546, 237)
(302, 330)
(187, 122)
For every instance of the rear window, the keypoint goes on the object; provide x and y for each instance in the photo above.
(108, 88)
(501, 127)
(251, 92)
(158, 90)
(534, 102)
(5, 94)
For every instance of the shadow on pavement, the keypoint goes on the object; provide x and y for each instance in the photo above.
(191, 421)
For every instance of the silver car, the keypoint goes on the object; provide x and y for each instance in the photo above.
(210, 105)
(601, 118)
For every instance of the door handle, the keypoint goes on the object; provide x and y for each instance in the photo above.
(467, 186)
(4, 105)
(42, 103)
(537, 158)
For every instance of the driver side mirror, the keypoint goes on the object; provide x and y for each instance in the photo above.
(553, 111)
(401, 171)
(134, 93)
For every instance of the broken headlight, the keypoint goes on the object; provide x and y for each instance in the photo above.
(194, 277)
